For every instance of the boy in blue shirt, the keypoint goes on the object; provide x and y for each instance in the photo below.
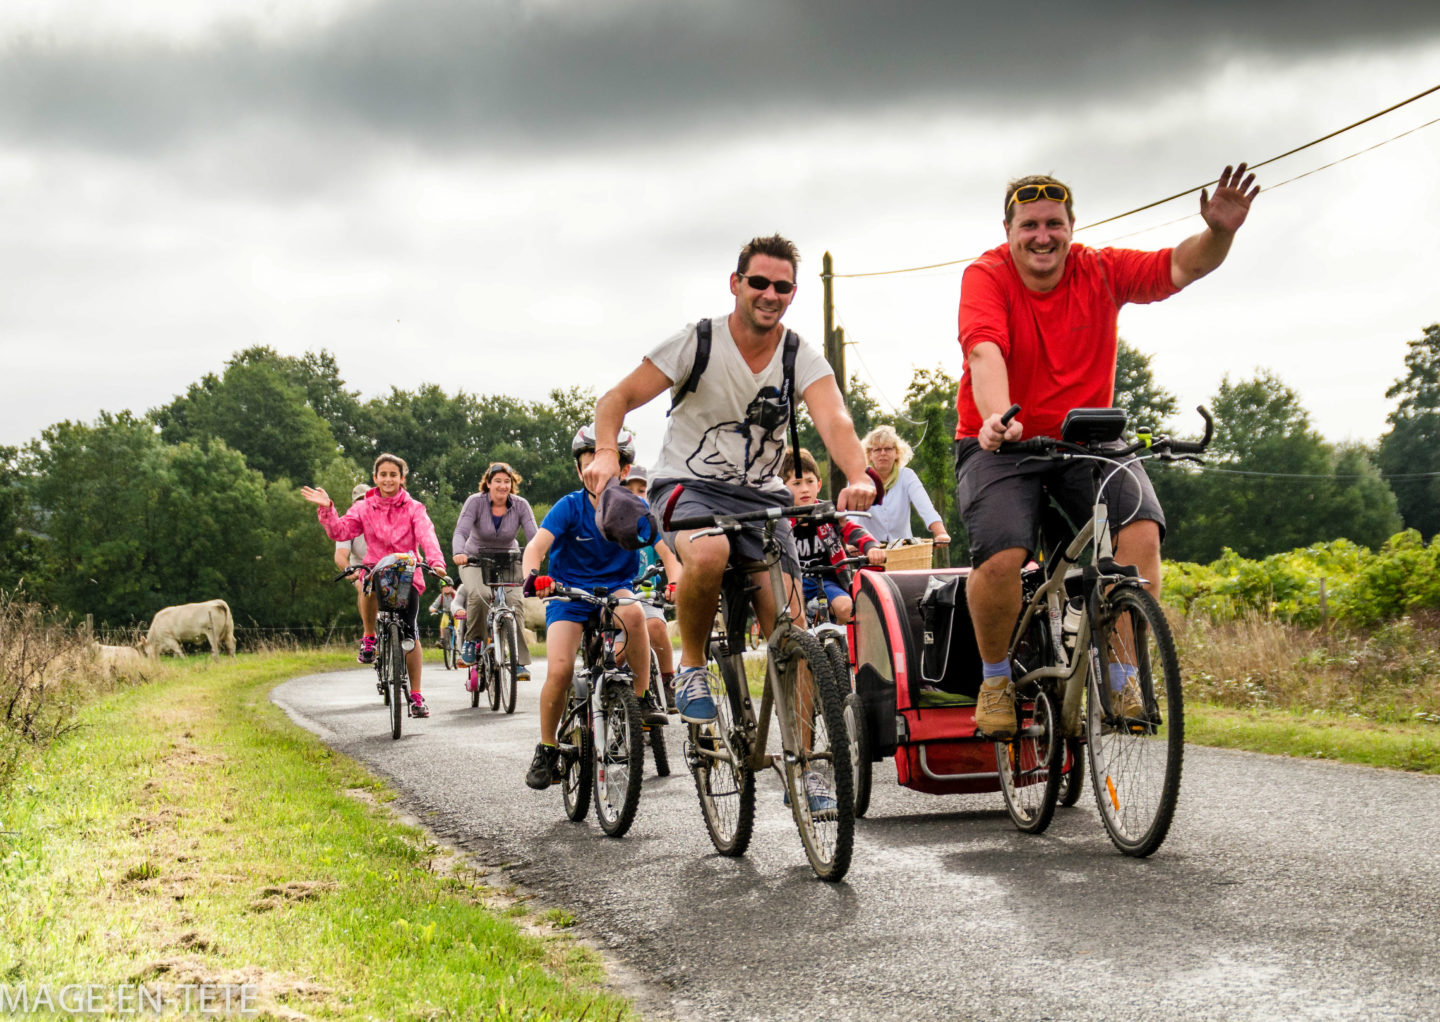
(582, 558)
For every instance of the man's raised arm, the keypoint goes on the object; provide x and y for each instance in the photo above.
(1223, 214)
(837, 429)
(643, 385)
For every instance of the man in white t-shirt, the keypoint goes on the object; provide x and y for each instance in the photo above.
(724, 441)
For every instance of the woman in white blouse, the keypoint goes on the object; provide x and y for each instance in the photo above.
(890, 520)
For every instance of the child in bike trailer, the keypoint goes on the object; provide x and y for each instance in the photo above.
(392, 522)
(581, 557)
(819, 544)
(638, 483)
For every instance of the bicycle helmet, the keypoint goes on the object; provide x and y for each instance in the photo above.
(585, 441)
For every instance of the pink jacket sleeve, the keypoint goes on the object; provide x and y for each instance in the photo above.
(342, 528)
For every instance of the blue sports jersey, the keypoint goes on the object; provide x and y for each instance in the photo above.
(580, 556)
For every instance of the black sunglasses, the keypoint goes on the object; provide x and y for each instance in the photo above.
(759, 283)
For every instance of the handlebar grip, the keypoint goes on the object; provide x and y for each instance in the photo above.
(1010, 413)
(1186, 447)
(702, 522)
(1035, 445)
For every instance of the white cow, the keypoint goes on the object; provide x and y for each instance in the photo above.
(191, 622)
(121, 661)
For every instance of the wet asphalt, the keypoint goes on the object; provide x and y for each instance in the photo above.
(1287, 889)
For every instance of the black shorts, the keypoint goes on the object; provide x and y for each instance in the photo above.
(702, 497)
(1001, 500)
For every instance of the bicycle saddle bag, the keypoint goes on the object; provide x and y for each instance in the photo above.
(1093, 425)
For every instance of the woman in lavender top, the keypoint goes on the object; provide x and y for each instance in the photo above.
(489, 523)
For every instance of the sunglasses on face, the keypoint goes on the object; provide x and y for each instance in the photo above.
(1034, 193)
(759, 283)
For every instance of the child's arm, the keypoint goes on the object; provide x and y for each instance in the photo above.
(535, 552)
(867, 544)
(670, 561)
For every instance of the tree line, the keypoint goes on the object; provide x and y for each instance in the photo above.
(199, 498)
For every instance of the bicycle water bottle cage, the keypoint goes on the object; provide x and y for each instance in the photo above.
(1093, 425)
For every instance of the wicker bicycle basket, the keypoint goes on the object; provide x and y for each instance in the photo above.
(911, 557)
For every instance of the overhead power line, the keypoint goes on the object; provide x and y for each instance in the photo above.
(1191, 191)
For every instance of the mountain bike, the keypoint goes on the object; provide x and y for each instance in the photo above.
(496, 670)
(392, 675)
(601, 732)
(800, 687)
(1082, 613)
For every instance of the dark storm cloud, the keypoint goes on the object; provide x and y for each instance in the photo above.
(490, 75)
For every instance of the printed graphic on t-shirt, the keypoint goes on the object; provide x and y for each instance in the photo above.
(748, 451)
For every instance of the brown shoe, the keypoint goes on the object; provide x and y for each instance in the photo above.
(995, 711)
(1128, 702)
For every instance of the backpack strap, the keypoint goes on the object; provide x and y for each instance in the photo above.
(787, 366)
(702, 359)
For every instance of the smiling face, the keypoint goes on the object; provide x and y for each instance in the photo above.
(1039, 237)
(388, 479)
(500, 486)
(761, 311)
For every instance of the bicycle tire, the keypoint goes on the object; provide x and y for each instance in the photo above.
(657, 733)
(509, 680)
(1072, 773)
(491, 672)
(857, 730)
(1029, 764)
(619, 757)
(473, 673)
(814, 706)
(1135, 762)
(724, 783)
(447, 649)
(575, 744)
(399, 681)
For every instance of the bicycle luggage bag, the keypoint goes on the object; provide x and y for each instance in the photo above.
(392, 580)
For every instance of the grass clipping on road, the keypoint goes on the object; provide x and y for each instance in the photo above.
(187, 833)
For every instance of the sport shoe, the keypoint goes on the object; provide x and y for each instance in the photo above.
(995, 711)
(651, 713)
(417, 705)
(668, 684)
(692, 695)
(1128, 702)
(522, 673)
(817, 794)
(467, 653)
(367, 650)
(544, 768)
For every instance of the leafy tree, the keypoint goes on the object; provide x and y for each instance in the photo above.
(18, 554)
(257, 410)
(1146, 403)
(1410, 453)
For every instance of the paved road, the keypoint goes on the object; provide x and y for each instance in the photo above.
(1286, 890)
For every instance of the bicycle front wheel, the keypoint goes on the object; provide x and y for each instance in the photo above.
(1029, 764)
(399, 681)
(619, 757)
(657, 732)
(723, 780)
(509, 672)
(576, 759)
(1135, 750)
(490, 671)
(447, 649)
(818, 775)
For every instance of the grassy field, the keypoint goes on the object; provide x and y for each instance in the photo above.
(187, 833)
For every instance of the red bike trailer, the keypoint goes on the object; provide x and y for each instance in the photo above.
(917, 670)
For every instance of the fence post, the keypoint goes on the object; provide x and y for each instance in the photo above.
(1324, 612)
(89, 629)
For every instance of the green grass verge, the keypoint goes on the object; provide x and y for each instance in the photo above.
(1316, 735)
(189, 833)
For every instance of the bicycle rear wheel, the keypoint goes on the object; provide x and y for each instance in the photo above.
(576, 760)
(509, 673)
(656, 733)
(447, 649)
(474, 678)
(399, 682)
(818, 774)
(1072, 773)
(1029, 764)
(723, 781)
(1135, 758)
(619, 757)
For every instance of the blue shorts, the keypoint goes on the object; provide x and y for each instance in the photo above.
(833, 590)
(574, 610)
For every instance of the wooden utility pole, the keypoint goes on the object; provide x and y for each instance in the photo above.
(835, 355)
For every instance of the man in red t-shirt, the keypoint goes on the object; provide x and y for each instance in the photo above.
(1038, 329)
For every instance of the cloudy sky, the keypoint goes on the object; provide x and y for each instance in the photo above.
(510, 195)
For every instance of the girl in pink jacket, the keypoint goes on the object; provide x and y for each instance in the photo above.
(392, 522)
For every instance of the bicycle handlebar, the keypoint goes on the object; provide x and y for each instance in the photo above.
(1161, 446)
(823, 510)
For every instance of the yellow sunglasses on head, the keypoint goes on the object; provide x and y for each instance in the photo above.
(1034, 193)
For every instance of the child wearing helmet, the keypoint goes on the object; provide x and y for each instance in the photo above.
(582, 557)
